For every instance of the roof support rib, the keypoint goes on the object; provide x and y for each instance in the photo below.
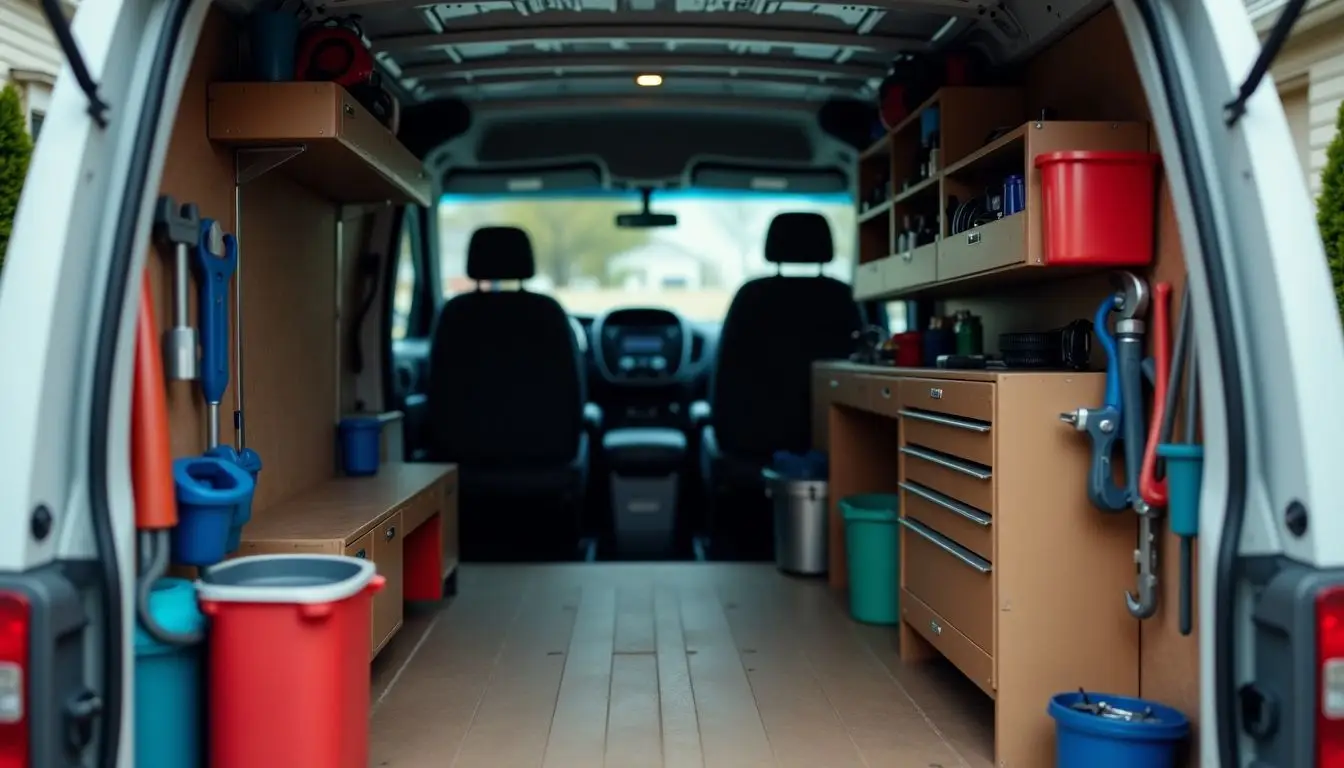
(521, 35)
(495, 66)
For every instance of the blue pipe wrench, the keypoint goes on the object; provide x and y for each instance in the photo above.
(1120, 417)
(215, 261)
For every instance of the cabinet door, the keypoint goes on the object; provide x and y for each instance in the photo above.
(387, 604)
(449, 518)
(824, 384)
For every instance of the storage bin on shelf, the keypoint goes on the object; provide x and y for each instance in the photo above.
(1098, 208)
(289, 660)
(361, 445)
(873, 549)
(168, 695)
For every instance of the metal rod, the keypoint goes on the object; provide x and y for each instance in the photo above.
(340, 252)
(239, 425)
(181, 286)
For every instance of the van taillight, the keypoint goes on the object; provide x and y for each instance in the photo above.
(1330, 678)
(15, 620)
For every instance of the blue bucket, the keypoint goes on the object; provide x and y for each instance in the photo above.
(250, 461)
(361, 445)
(168, 683)
(209, 489)
(1085, 740)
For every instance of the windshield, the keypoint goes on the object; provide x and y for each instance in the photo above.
(590, 265)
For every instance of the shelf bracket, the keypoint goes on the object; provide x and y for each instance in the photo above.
(252, 163)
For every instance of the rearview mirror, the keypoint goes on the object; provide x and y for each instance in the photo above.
(645, 220)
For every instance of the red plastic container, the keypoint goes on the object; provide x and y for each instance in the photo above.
(289, 660)
(1098, 208)
(909, 349)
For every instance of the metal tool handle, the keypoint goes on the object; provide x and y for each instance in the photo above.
(946, 421)
(947, 545)
(946, 463)
(214, 272)
(950, 504)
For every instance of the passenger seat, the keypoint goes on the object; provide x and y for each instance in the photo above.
(760, 400)
(506, 403)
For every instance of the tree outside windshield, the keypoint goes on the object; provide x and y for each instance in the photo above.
(590, 265)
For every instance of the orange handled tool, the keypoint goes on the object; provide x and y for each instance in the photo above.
(1154, 491)
(151, 451)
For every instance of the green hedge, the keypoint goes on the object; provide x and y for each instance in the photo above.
(16, 148)
(1330, 207)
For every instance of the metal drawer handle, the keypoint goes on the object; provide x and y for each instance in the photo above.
(935, 393)
(973, 238)
(391, 533)
(946, 463)
(950, 547)
(936, 627)
(908, 256)
(948, 503)
(362, 555)
(886, 393)
(946, 421)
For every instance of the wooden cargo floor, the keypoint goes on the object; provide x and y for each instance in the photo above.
(720, 665)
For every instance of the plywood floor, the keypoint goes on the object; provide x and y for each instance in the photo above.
(694, 664)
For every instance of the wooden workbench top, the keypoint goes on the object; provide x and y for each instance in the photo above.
(845, 366)
(346, 507)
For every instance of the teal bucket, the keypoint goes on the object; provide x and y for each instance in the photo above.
(873, 549)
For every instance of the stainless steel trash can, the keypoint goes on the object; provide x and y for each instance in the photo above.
(801, 522)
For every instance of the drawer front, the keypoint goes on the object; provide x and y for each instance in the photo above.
(955, 647)
(950, 579)
(883, 394)
(970, 527)
(844, 388)
(387, 554)
(868, 279)
(1000, 243)
(963, 480)
(361, 547)
(964, 438)
(912, 268)
(422, 507)
(965, 399)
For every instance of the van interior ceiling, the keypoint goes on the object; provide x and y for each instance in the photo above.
(930, 405)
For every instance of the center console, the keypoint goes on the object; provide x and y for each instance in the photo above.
(645, 468)
(641, 346)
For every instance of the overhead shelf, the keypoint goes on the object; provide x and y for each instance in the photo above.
(318, 134)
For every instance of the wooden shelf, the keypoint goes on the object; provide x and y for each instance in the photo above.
(915, 190)
(875, 212)
(1006, 149)
(322, 137)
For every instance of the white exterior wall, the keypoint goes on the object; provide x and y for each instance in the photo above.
(29, 55)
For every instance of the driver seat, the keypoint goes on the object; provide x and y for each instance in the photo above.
(760, 398)
(506, 404)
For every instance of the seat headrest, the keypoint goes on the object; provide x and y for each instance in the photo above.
(500, 253)
(799, 238)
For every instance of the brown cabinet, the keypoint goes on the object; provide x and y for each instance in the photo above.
(1007, 571)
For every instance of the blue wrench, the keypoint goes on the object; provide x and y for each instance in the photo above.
(216, 259)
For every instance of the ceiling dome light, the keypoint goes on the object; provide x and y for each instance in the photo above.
(649, 81)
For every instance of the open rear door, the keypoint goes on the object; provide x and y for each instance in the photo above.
(1271, 359)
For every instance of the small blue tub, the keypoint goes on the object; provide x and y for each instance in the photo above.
(1086, 740)
(250, 461)
(209, 490)
(169, 712)
(361, 445)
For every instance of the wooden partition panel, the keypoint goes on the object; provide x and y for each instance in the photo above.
(288, 274)
(197, 171)
(1090, 74)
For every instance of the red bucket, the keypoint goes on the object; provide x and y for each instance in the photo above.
(1098, 209)
(290, 641)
